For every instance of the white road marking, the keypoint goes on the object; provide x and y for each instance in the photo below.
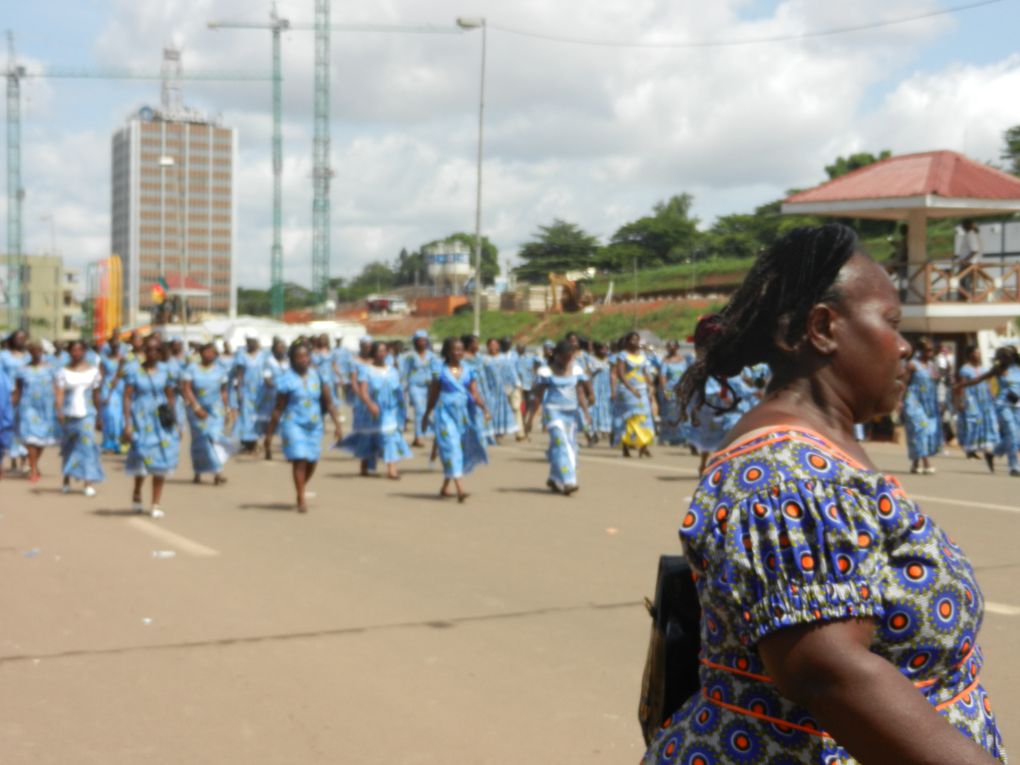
(966, 503)
(1002, 609)
(183, 544)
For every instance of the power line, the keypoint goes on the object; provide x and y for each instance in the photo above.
(724, 43)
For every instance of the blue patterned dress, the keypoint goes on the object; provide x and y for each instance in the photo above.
(977, 422)
(601, 409)
(111, 399)
(460, 443)
(500, 377)
(301, 423)
(272, 370)
(248, 374)
(921, 418)
(417, 372)
(716, 416)
(785, 530)
(10, 363)
(380, 438)
(154, 449)
(561, 413)
(674, 432)
(79, 443)
(210, 447)
(1009, 416)
(37, 408)
(6, 416)
(477, 366)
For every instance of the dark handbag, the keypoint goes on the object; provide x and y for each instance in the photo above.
(1012, 398)
(671, 668)
(167, 416)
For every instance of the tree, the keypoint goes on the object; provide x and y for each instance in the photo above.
(560, 246)
(1011, 149)
(851, 162)
(374, 277)
(668, 235)
(410, 267)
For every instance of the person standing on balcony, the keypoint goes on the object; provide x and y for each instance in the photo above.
(968, 253)
(978, 425)
(921, 417)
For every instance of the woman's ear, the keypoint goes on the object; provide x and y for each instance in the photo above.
(819, 330)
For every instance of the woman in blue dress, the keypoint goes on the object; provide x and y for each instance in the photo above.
(458, 404)
(560, 390)
(977, 422)
(637, 412)
(381, 392)
(301, 398)
(922, 420)
(111, 394)
(718, 409)
(78, 410)
(35, 401)
(247, 374)
(361, 418)
(12, 358)
(274, 364)
(417, 368)
(500, 379)
(204, 387)
(602, 407)
(472, 359)
(153, 440)
(671, 369)
(1006, 368)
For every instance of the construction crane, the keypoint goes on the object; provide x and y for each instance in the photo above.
(15, 73)
(276, 25)
(322, 173)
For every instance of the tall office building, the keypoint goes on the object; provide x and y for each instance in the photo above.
(174, 210)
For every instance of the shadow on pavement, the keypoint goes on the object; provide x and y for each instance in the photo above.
(420, 495)
(268, 506)
(525, 490)
(109, 513)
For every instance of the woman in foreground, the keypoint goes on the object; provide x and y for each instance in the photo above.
(204, 387)
(839, 623)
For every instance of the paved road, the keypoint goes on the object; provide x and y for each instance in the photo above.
(386, 626)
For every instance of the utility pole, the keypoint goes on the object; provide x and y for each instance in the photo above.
(15, 192)
(276, 25)
(321, 171)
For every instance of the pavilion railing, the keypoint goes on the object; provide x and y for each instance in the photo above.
(950, 282)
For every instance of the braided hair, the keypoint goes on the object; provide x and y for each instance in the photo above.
(786, 281)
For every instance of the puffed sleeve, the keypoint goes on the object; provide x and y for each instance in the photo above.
(791, 553)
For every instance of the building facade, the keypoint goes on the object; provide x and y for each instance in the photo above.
(174, 209)
(50, 304)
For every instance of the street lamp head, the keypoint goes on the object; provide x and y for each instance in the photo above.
(471, 22)
(165, 161)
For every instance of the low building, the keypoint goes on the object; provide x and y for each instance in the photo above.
(50, 303)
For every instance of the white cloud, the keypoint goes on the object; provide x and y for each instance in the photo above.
(594, 135)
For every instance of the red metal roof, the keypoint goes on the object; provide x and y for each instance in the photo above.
(941, 173)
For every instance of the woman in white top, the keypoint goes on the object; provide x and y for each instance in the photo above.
(78, 413)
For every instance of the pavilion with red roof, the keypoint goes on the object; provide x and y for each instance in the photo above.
(939, 296)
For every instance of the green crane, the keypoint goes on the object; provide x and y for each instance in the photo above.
(322, 174)
(276, 25)
(15, 73)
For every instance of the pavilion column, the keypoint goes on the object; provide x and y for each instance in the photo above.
(917, 238)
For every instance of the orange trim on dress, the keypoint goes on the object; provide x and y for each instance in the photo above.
(763, 717)
(792, 433)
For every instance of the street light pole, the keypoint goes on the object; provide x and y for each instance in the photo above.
(165, 162)
(469, 24)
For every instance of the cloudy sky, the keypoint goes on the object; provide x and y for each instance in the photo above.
(592, 134)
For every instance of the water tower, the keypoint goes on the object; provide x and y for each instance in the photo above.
(449, 266)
